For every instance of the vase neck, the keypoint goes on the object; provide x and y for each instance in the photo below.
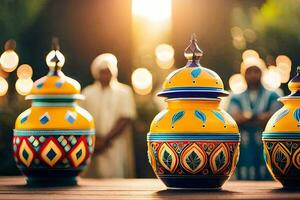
(290, 100)
(193, 103)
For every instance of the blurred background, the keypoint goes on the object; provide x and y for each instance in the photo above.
(147, 34)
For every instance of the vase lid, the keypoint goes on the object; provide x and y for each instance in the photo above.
(294, 85)
(55, 85)
(193, 80)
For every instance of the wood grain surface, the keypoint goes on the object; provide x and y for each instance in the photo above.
(15, 188)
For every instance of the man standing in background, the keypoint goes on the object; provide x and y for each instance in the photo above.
(251, 110)
(112, 105)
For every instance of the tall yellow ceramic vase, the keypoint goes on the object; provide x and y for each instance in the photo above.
(281, 138)
(193, 143)
(54, 139)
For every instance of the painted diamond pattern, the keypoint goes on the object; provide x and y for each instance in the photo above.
(25, 153)
(67, 148)
(61, 138)
(31, 139)
(78, 154)
(51, 152)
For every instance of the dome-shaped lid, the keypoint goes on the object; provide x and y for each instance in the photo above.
(55, 84)
(193, 80)
(294, 85)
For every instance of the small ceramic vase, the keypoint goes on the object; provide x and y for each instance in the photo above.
(54, 139)
(193, 143)
(281, 138)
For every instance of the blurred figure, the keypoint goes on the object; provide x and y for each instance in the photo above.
(251, 110)
(112, 106)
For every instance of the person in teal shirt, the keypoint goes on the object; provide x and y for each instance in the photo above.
(251, 110)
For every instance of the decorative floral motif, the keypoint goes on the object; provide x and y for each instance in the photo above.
(196, 72)
(168, 157)
(296, 158)
(267, 156)
(193, 159)
(201, 116)
(281, 158)
(177, 116)
(219, 159)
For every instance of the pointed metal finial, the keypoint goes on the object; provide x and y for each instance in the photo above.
(10, 45)
(55, 43)
(193, 52)
(55, 59)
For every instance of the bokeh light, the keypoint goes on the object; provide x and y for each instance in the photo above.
(3, 86)
(141, 80)
(51, 55)
(24, 71)
(237, 83)
(250, 53)
(24, 86)
(284, 65)
(236, 32)
(239, 43)
(9, 60)
(152, 10)
(164, 54)
(252, 61)
(271, 78)
(282, 59)
(250, 35)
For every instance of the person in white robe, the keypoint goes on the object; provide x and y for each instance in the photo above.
(112, 105)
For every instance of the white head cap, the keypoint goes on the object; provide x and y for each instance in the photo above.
(104, 61)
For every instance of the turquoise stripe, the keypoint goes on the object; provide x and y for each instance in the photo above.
(52, 104)
(53, 96)
(192, 136)
(53, 132)
(281, 135)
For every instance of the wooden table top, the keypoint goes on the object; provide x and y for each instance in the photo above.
(14, 188)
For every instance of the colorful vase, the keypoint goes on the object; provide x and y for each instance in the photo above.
(193, 143)
(281, 138)
(54, 139)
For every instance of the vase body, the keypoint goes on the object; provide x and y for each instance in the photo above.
(54, 139)
(193, 144)
(281, 143)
